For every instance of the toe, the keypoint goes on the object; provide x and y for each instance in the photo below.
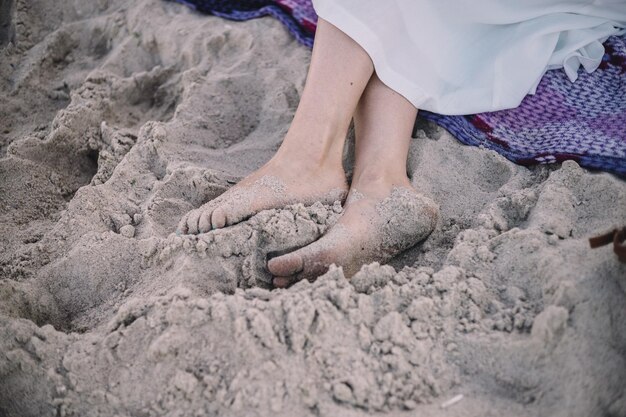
(192, 222)
(204, 223)
(218, 218)
(282, 282)
(286, 265)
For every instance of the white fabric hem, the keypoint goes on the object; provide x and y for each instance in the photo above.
(445, 61)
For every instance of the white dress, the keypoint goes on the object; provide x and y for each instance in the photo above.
(464, 57)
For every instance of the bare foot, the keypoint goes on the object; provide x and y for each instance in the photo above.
(275, 185)
(376, 225)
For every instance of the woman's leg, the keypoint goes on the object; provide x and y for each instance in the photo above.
(383, 214)
(307, 167)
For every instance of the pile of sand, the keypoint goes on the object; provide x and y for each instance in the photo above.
(118, 117)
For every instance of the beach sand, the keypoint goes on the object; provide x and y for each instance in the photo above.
(116, 118)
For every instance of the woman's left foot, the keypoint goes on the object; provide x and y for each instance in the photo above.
(379, 222)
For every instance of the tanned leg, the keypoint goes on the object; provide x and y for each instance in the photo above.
(383, 214)
(307, 167)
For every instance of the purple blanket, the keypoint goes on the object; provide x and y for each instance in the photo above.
(584, 121)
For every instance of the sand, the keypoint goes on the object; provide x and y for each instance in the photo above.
(116, 118)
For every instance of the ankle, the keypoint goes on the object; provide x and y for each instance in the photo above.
(308, 157)
(315, 143)
(380, 179)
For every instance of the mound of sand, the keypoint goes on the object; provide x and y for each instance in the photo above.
(116, 118)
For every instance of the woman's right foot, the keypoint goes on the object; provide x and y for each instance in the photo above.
(377, 224)
(279, 183)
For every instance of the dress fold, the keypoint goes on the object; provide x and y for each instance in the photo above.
(458, 58)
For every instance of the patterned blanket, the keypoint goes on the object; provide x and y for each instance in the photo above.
(297, 15)
(584, 121)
